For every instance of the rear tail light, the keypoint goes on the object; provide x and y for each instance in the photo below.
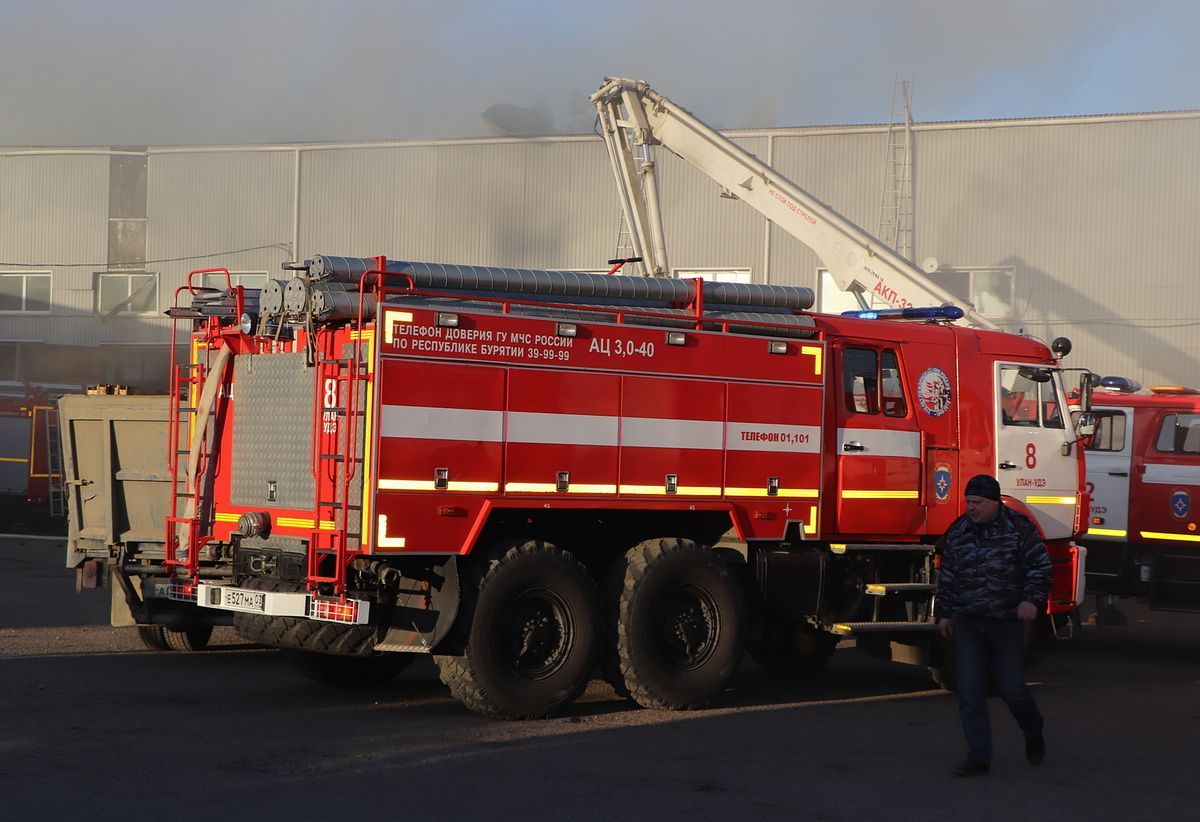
(181, 591)
(333, 610)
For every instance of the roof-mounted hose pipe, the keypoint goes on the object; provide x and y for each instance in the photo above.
(545, 283)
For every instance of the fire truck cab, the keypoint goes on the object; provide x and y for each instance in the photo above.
(1143, 474)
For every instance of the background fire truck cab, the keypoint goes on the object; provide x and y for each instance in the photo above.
(1143, 474)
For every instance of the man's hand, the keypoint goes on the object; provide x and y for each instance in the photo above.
(1027, 611)
(946, 627)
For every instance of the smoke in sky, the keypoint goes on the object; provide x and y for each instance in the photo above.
(163, 72)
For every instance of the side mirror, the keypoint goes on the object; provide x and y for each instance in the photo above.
(1085, 426)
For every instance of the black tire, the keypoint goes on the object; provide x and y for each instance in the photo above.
(188, 640)
(153, 637)
(791, 649)
(338, 671)
(193, 638)
(529, 637)
(676, 625)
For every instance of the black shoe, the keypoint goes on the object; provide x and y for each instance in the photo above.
(1035, 748)
(973, 767)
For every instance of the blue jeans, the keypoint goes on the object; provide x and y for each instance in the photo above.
(983, 644)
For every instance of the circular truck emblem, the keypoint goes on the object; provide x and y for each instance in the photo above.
(1181, 503)
(942, 480)
(934, 392)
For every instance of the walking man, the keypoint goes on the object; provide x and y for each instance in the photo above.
(994, 578)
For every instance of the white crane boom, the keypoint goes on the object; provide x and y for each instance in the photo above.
(634, 117)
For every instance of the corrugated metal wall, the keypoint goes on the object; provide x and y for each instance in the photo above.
(1096, 218)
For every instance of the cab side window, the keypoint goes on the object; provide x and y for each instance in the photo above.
(1110, 431)
(1028, 398)
(1179, 434)
(872, 383)
(860, 380)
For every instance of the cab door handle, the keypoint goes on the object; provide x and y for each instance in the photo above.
(1008, 466)
(1118, 473)
(853, 445)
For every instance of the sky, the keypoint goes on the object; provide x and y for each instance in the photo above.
(167, 72)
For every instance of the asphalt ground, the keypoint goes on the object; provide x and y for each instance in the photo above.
(93, 726)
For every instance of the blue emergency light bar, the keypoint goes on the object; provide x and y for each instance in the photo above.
(940, 312)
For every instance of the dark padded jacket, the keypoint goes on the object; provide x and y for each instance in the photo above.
(989, 570)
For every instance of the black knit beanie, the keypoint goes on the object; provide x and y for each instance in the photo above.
(982, 485)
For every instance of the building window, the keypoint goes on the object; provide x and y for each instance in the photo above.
(134, 292)
(715, 275)
(25, 291)
(992, 292)
(246, 279)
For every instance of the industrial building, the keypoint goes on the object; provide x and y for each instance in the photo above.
(1075, 226)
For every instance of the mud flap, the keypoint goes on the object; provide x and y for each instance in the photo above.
(425, 611)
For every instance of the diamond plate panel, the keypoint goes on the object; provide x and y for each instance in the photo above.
(272, 431)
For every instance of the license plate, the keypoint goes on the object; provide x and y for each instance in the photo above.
(236, 599)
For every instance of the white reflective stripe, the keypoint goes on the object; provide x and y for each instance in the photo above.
(646, 432)
(1160, 474)
(422, 422)
(384, 540)
(877, 443)
(561, 429)
(767, 436)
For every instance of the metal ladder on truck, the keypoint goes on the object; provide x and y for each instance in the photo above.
(339, 408)
(56, 494)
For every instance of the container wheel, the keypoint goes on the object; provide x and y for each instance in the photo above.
(188, 640)
(676, 624)
(529, 639)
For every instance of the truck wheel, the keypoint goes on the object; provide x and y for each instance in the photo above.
(160, 638)
(338, 671)
(791, 649)
(676, 623)
(530, 638)
(153, 637)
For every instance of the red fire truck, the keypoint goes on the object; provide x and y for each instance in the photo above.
(29, 473)
(488, 465)
(1143, 473)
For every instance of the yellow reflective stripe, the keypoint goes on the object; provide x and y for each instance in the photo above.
(815, 352)
(383, 540)
(13, 459)
(810, 524)
(875, 588)
(1036, 500)
(552, 488)
(791, 493)
(390, 318)
(1105, 532)
(680, 491)
(366, 334)
(428, 485)
(228, 517)
(1175, 537)
(880, 494)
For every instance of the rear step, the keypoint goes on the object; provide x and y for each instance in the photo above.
(880, 589)
(854, 628)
